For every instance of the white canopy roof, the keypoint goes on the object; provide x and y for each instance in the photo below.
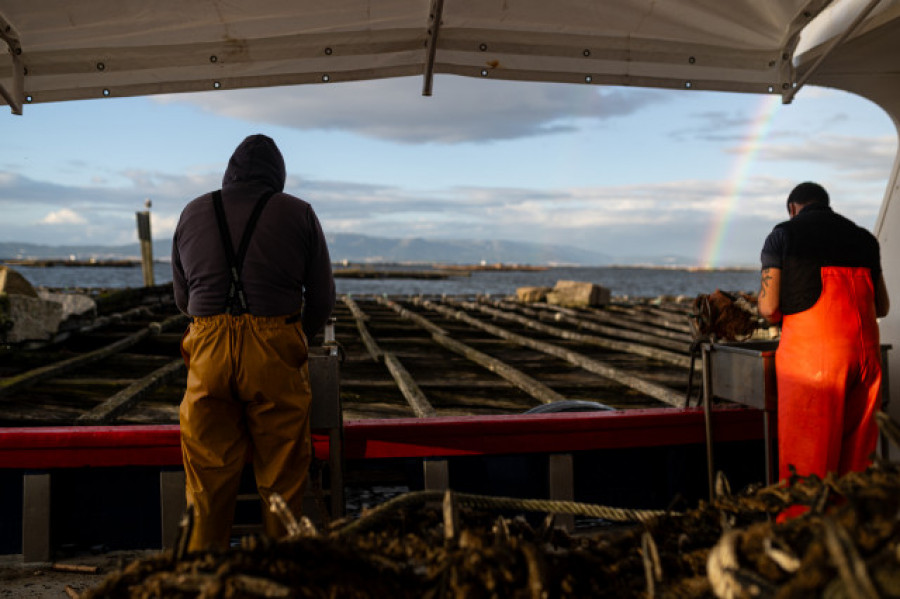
(69, 50)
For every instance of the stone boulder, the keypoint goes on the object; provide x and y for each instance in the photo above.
(73, 304)
(577, 294)
(11, 282)
(532, 294)
(23, 315)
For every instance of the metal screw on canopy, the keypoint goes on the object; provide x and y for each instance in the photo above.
(105, 92)
(482, 47)
(586, 53)
(484, 72)
(213, 58)
(100, 66)
(326, 78)
(328, 51)
(688, 85)
(588, 79)
(216, 84)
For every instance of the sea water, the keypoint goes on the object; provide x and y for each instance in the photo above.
(621, 281)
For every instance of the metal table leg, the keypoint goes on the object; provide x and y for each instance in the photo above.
(707, 416)
(769, 454)
(885, 398)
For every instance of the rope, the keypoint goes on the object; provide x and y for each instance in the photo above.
(383, 511)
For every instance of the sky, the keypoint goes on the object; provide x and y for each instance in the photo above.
(628, 172)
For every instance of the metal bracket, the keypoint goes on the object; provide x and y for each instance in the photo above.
(803, 18)
(788, 96)
(434, 21)
(15, 97)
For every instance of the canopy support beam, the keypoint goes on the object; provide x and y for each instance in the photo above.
(833, 44)
(16, 96)
(435, 16)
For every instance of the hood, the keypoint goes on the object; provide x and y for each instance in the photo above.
(257, 158)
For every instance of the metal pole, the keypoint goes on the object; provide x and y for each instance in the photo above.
(707, 416)
(788, 97)
(146, 240)
(885, 398)
(437, 11)
(767, 441)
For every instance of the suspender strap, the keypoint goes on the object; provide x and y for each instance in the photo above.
(236, 261)
(225, 235)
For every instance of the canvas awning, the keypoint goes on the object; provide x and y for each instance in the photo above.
(65, 50)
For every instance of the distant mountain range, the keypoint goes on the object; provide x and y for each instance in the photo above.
(351, 247)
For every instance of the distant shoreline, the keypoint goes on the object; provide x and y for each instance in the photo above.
(683, 267)
(402, 279)
(49, 263)
(362, 269)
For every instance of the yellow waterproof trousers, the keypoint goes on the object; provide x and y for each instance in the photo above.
(247, 395)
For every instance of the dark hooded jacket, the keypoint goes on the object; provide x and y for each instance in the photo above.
(287, 265)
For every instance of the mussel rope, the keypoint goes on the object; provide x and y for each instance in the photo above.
(382, 511)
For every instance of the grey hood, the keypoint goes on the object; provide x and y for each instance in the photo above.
(257, 158)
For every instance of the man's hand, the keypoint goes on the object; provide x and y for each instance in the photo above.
(769, 291)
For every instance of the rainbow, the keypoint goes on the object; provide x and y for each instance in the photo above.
(721, 224)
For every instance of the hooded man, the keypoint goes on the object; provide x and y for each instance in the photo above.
(822, 279)
(251, 267)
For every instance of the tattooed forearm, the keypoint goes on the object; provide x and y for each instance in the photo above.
(764, 283)
(769, 292)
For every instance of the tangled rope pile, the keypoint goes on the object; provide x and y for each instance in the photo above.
(415, 499)
(846, 545)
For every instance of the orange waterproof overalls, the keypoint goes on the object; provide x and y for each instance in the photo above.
(828, 367)
(247, 396)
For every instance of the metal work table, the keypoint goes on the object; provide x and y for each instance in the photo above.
(744, 372)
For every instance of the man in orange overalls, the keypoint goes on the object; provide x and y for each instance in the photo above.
(822, 279)
(252, 312)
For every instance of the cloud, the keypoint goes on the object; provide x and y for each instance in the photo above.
(649, 219)
(670, 217)
(714, 126)
(163, 226)
(63, 216)
(674, 216)
(461, 110)
(16, 189)
(98, 213)
(866, 158)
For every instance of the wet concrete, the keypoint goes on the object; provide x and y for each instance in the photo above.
(47, 580)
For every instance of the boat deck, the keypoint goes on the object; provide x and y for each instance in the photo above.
(467, 387)
(401, 357)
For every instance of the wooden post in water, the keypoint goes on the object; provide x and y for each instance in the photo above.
(143, 225)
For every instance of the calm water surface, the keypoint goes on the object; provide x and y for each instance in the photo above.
(621, 281)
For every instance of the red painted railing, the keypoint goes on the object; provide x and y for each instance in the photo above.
(159, 445)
